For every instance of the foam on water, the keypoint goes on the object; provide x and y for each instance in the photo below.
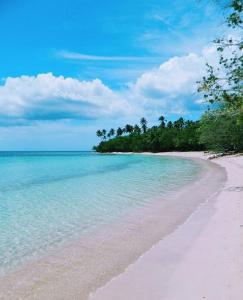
(48, 199)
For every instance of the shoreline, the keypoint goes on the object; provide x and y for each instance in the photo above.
(61, 275)
(201, 259)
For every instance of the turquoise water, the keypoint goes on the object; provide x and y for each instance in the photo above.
(48, 199)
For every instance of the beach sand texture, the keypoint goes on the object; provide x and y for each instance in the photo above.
(202, 259)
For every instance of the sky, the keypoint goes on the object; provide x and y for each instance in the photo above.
(70, 67)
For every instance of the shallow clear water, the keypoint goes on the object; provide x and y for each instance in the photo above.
(48, 199)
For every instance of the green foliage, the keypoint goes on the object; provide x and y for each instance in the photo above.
(162, 121)
(143, 123)
(235, 17)
(220, 131)
(221, 128)
(111, 133)
(119, 131)
(99, 133)
(224, 84)
(128, 128)
(180, 135)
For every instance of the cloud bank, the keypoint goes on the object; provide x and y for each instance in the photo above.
(49, 97)
(172, 86)
(169, 88)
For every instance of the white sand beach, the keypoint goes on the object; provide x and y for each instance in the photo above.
(121, 150)
(201, 259)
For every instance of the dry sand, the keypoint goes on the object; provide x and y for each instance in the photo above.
(201, 259)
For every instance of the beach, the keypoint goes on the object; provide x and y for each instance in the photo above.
(188, 250)
(121, 150)
(201, 259)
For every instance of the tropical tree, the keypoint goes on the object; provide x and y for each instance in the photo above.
(223, 84)
(104, 134)
(162, 121)
(183, 136)
(221, 133)
(128, 128)
(169, 124)
(111, 133)
(136, 129)
(143, 123)
(119, 131)
(179, 123)
(221, 127)
(99, 133)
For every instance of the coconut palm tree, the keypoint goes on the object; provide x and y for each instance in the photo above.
(179, 123)
(99, 133)
(162, 121)
(104, 134)
(136, 129)
(143, 123)
(111, 133)
(169, 124)
(119, 131)
(128, 128)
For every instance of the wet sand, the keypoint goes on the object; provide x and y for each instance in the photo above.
(79, 269)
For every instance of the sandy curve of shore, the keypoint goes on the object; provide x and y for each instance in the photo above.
(202, 259)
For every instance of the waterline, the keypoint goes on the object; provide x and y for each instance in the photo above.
(47, 201)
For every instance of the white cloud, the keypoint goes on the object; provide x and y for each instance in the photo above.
(177, 75)
(172, 87)
(46, 96)
(168, 89)
(80, 56)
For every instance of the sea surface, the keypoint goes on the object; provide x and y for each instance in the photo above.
(49, 199)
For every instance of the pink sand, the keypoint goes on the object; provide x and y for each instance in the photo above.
(202, 259)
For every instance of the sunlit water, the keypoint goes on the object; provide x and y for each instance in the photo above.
(48, 199)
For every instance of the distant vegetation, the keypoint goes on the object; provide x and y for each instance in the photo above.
(180, 135)
(219, 129)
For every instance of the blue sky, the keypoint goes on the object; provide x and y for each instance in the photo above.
(69, 68)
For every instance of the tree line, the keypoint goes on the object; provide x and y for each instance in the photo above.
(219, 129)
(180, 135)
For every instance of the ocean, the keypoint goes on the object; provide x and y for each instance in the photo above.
(50, 199)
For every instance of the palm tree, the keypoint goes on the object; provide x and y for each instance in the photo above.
(143, 123)
(104, 134)
(136, 129)
(128, 128)
(162, 121)
(169, 124)
(179, 123)
(99, 133)
(111, 133)
(119, 131)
